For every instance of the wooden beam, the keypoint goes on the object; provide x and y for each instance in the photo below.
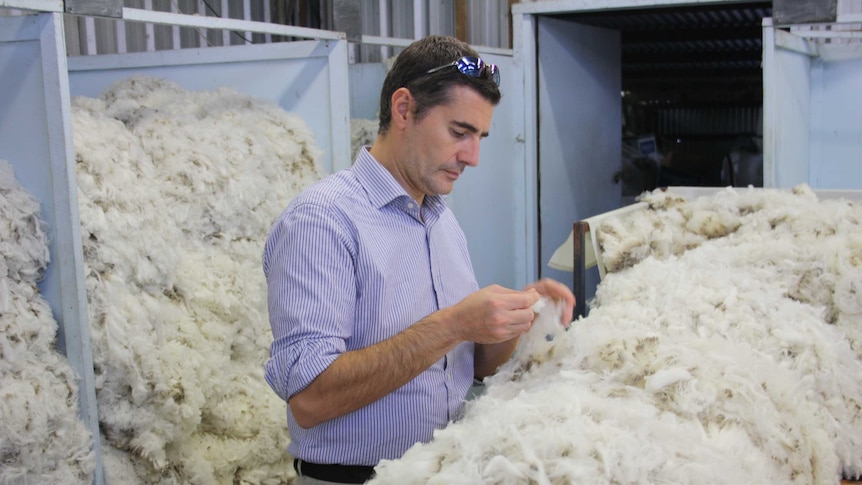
(462, 20)
(509, 18)
(579, 271)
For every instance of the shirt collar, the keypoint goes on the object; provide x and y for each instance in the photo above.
(381, 186)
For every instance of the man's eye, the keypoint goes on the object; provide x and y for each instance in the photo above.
(458, 134)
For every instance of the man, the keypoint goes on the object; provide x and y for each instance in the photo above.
(379, 326)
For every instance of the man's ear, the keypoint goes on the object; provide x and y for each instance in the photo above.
(402, 106)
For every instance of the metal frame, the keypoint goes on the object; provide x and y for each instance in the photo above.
(788, 108)
(52, 180)
(524, 34)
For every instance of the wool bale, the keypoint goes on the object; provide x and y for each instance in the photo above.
(177, 191)
(42, 439)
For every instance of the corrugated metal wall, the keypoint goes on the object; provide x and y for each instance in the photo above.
(88, 36)
(730, 121)
(483, 23)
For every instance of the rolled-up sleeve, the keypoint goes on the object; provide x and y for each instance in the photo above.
(308, 262)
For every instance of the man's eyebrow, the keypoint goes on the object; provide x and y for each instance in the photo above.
(470, 128)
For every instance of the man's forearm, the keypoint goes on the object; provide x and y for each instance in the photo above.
(489, 357)
(494, 316)
(360, 377)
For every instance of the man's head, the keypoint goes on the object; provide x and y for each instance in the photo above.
(429, 89)
(435, 108)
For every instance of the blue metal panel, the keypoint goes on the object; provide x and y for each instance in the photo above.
(35, 137)
(836, 125)
(812, 127)
(580, 123)
(486, 197)
(786, 109)
(365, 82)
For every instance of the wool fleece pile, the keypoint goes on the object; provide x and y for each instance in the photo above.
(177, 192)
(362, 133)
(42, 440)
(724, 347)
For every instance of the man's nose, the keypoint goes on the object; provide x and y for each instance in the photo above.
(470, 154)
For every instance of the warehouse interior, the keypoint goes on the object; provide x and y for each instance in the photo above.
(691, 106)
(691, 80)
(689, 170)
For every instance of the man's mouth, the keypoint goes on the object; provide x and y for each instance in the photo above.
(453, 173)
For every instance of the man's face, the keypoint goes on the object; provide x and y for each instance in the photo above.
(443, 143)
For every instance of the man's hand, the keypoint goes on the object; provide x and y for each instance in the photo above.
(559, 293)
(494, 314)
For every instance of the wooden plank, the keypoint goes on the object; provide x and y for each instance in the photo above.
(96, 8)
(176, 38)
(789, 12)
(225, 13)
(795, 43)
(122, 48)
(510, 20)
(38, 5)
(579, 230)
(90, 35)
(462, 23)
(246, 15)
(167, 18)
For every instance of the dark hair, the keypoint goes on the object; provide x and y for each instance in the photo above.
(411, 68)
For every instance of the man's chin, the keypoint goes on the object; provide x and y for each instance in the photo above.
(445, 190)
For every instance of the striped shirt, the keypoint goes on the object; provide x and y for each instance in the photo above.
(350, 262)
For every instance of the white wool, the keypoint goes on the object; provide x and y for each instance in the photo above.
(723, 348)
(118, 466)
(537, 344)
(177, 191)
(362, 132)
(42, 439)
(664, 378)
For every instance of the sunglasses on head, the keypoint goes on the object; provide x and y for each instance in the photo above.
(473, 67)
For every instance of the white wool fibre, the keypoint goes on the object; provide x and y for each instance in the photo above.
(362, 132)
(177, 191)
(42, 439)
(723, 349)
(546, 326)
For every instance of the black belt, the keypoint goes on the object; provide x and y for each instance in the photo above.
(334, 473)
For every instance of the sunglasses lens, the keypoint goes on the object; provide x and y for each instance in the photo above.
(476, 67)
(471, 66)
(494, 73)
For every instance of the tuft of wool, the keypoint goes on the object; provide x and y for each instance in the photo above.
(177, 191)
(362, 133)
(537, 345)
(724, 348)
(42, 439)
